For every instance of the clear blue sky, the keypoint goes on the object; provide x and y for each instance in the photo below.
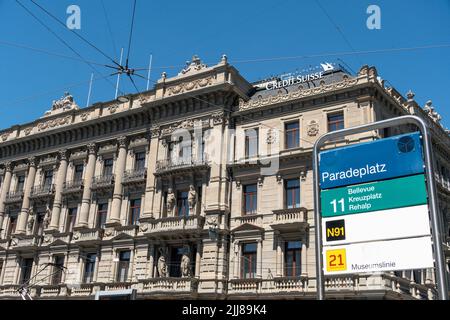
(175, 30)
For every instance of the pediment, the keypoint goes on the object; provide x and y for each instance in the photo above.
(122, 236)
(247, 227)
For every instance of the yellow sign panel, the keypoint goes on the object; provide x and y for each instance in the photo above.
(336, 260)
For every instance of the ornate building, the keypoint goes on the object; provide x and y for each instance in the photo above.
(199, 188)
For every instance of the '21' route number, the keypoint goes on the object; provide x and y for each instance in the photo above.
(338, 205)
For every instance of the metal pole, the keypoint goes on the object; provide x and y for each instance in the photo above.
(149, 71)
(118, 76)
(90, 90)
(442, 283)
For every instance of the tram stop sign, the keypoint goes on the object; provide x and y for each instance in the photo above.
(374, 207)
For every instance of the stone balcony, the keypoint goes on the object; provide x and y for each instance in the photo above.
(111, 233)
(253, 219)
(289, 219)
(103, 181)
(171, 166)
(22, 242)
(85, 290)
(62, 238)
(71, 187)
(14, 196)
(42, 191)
(173, 226)
(88, 236)
(134, 176)
(10, 291)
(54, 291)
(169, 285)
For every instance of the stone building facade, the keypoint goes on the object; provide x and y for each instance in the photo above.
(199, 188)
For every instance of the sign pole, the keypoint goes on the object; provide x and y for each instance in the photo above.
(442, 284)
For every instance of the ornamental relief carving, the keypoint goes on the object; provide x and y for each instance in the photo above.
(186, 124)
(313, 128)
(85, 116)
(189, 86)
(284, 97)
(28, 131)
(54, 123)
(5, 136)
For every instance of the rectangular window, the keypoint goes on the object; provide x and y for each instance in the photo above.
(251, 143)
(248, 261)
(89, 268)
(48, 178)
(71, 218)
(108, 167)
(292, 135)
(26, 269)
(57, 270)
(139, 161)
(292, 258)
(20, 183)
(292, 193)
(102, 215)
(78, 175)
(182, 204)
(123, 266)
(335, 121)
(250, 199)
(12, 224)
(135, 211)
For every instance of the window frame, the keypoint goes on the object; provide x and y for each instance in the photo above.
(296, 266)
(253, 199)
(108, 163)
(295, 132)
(286, 191)
(336, 124)
(76, 172)
(57, 272)
(71, 222)
(249, 259)
(100, 214)
(91, 263)
(249, 139)
(138, 160)
(132, 220)
(182, 203)
(121, 278)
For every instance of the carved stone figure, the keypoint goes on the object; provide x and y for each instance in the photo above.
(162, 264)
(171, 200)
(47, 217)
(186, 264)
(192, 198)
(30, 223)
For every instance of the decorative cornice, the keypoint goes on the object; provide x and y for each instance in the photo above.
(63, 154)
(32, 161)
(155, 131)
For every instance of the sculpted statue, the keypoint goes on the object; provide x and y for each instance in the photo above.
(162, 264)
(192, 198)
(171, 200)
(30, 223)
(48, 213)
(185, 264)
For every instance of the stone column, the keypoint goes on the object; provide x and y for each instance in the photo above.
(279, 262)
(237, 256)
(22, 224)
(259, 260)
(118, 188)
(151, 260)
(304, 262)
(5, 190)
(150, 186)
(198, 258)
(60, 179)
(89, 175)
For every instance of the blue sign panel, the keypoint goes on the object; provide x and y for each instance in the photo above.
(371, 161)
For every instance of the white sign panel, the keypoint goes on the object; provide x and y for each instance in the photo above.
(377, 225)
(379, 256)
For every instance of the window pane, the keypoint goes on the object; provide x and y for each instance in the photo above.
(135, 211)
(58, 270)
(71, 218)
(248, 260)
(335, 122)
(182, 203)
(292, 135)
(107, 167)
(293, 258)
(78, 172)
(89, 268)
(292, 193)
(251, 143)
(250, 198)
(27, 265)
(139, 161)
(102, 215)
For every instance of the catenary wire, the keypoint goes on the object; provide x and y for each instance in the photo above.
(63, 41)
(131, 32)
(109, 28)
(75, 33)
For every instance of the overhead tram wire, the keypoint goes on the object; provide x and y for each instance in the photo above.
(131, 33)
(116, 52)
(73, 31)
(62, 41)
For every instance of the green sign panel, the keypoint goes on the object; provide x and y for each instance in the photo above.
(375, 196)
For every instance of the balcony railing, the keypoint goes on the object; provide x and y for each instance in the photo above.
(103, 181)
(134, 176)
(170, 285)
(73, 186)
(14, 196)
(290, 218)
(90, 236)
(26, 241)
(45, 190)
(175, 224)
(254, 219)
(182, 163)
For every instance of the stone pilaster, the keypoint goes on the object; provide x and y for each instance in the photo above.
(118, 188)
(60, 179)
(86, 200)
(150, 186)
(22, 224)
(5, 190)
